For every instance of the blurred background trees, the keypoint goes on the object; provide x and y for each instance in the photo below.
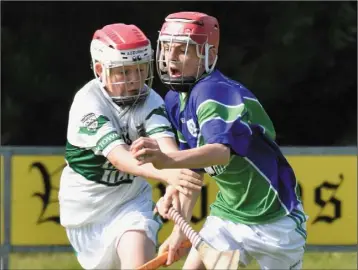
(299, 58)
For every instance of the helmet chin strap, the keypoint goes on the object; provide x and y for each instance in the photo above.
(177, 84)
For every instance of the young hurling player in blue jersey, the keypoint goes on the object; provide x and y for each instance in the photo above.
(223, 129)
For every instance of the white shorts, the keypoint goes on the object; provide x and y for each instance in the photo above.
(96, 244)
(276, 245)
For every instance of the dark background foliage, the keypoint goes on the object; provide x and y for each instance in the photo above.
(299, 58)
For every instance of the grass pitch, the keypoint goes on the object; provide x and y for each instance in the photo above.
(312, 260)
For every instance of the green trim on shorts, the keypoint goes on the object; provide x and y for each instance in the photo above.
(300, 213)
(301, 216)
(298, 222)
(299, 227)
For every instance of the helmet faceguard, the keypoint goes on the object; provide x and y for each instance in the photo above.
(116, 47)
(189, 28)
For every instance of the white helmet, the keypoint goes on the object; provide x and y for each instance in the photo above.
(119, 45)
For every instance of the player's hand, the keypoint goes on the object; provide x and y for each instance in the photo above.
(184, 180)
(147, 150)
(173, 245)
(170, 199)
(174, 241)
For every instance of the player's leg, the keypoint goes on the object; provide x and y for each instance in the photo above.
(139, 233)
(138, 243)
(280, 244)
(216, 234)
(89, 248)
(96, 244)
(193, 261)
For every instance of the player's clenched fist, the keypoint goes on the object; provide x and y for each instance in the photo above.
(147, 150)
(170, 199)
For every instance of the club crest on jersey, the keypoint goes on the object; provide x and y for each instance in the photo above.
(90, 123)
(192, 127)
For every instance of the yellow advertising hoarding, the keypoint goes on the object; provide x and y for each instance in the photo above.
(34, 207)
(328, 183)
(329, 190)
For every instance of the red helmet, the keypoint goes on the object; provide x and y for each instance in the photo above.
(118, 45)
(190, 28)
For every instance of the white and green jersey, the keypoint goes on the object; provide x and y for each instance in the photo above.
(91, 186)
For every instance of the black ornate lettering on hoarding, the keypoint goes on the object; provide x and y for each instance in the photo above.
(49, 188)
(203, 204)
(337, 204)
(45, 194)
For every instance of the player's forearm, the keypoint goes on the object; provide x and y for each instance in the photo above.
(187, 203)
(167, 145)
(150, 172)
(146, 171)
(201, 157)
(123, 161)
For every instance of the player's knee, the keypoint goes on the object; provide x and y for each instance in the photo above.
(193, 262)
(135, 242)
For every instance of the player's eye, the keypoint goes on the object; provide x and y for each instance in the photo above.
(117, 72)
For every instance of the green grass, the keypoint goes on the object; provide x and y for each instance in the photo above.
(312, 260)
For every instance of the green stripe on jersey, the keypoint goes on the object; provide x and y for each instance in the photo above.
(183, 98)
(157, 111)
(211, 109)
(181, 137)
(94, 167)
(159, 130)
(155, 116)
(258, 115)
(85, 162)
(245, 196)
(106, 140)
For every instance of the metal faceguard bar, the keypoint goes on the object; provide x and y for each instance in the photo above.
(182, 39)
(144, 91)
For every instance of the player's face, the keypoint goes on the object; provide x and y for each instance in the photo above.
(127, 80)
(181, 62)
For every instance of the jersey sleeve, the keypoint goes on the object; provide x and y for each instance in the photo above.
(221, 114)
(90, 127)
(157, 124)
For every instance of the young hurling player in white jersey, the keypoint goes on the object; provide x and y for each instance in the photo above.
(224, 130)
(105, 201)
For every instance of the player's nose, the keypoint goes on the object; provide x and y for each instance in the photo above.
(134, 77)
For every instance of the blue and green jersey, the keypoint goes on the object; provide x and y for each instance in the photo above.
(258, 185)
